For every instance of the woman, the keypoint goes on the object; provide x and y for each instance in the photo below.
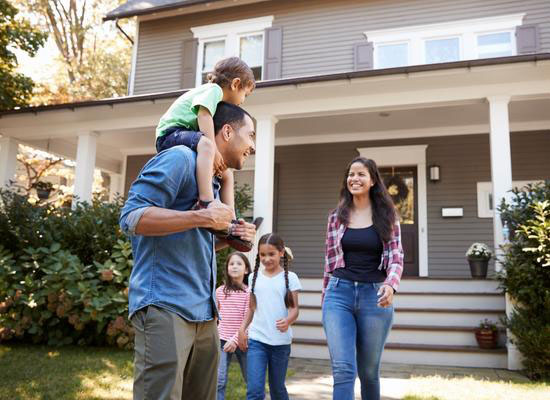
(363, 267)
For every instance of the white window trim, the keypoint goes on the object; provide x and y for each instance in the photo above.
(231, 32)
(467, 30)
(484, 192)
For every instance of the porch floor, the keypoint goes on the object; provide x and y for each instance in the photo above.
(312, 379)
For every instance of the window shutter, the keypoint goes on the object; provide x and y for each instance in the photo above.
(527, 39)
(273, 53)
(189, 65)
(363, 56)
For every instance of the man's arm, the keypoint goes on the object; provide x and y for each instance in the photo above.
(157, 221)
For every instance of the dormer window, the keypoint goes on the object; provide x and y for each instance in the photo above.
(244, 39)
(445, 42)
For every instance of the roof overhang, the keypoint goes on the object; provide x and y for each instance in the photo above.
(309, 80)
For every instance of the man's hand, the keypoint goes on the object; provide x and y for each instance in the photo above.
(219, 216)
(282, 324)
(245, 231)
(230, 346)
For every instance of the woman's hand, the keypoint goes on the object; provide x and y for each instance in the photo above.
(230, 346)
(282, 324)
(385, 296)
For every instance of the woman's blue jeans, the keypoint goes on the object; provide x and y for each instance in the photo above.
(356, 329)
(223, 368)
(263, 356)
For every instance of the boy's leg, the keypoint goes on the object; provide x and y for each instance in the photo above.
(227, 191)
(200, 378)
(257, 358)
(278, 364)
(163, 342)
(206, 150)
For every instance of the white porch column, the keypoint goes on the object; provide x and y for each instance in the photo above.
(264, 171)
(115, 187)
(8, 160)
(85, 165)
(501, 178)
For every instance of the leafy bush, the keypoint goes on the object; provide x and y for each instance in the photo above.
(63, 273)
(527, 275)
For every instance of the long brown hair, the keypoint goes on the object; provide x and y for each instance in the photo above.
(230, 68)
(383, 209)
(276, 241)
(229, 285)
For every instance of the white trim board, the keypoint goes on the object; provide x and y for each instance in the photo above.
(388, 156)
(134, 61)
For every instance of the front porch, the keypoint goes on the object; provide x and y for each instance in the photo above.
(486, 125)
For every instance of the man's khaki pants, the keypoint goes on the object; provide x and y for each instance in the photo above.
(174, 359)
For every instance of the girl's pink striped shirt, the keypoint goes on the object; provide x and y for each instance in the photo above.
(232, 309)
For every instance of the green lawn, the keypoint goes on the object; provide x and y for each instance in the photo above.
(74, 373)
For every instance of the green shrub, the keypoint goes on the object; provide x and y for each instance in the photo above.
(527, 275)
(64, 273)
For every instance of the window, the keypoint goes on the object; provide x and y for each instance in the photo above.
(495, 45)
(393, 55)
(442, 50)
(445, 42)
(244, 39)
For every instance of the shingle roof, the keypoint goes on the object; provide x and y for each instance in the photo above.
(139, 7)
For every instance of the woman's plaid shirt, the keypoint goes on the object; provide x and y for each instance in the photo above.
(392, 254)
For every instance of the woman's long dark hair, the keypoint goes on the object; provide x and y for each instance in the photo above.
(276, 241)
(229, 285)
(383, 209)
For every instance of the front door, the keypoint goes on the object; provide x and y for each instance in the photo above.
(402, 186)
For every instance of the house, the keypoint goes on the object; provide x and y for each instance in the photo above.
(452, 100)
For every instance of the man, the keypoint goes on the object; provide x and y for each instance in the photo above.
(172, 306)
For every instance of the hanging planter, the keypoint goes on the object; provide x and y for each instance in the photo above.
(43, 189)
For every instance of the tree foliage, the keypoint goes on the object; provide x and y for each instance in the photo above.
(93, 58)
(15, 88)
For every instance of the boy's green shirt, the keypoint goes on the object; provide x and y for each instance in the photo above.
(183, 112)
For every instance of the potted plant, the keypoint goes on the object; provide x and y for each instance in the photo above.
(43, 189)
(487, 334)
(478, 256)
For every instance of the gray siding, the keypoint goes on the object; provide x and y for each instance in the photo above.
(318, 37)
(310, 178)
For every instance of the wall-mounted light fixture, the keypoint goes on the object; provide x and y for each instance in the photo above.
(435, 173)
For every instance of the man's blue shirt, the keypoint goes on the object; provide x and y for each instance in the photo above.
(176, 272)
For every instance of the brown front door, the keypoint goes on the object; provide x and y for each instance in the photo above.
(402, 186)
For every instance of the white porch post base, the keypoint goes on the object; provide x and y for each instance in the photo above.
(501, 177)
(264, 171)
(85, 165)
(8, 160)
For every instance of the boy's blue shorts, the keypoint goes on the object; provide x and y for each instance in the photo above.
(177, 136)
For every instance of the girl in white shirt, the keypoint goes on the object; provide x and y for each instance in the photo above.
(273, 308)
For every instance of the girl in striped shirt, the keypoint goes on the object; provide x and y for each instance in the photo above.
(232, 298)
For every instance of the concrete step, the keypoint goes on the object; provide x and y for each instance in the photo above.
(409, 284)
(406, 334)
(422, 316)
(486, 300)
(465, 356)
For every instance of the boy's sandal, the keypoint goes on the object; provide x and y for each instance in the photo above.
(236, 242)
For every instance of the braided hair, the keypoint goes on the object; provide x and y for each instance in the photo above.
(231, 68)
(276, 241)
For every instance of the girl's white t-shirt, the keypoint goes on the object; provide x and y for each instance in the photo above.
(270, 300)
